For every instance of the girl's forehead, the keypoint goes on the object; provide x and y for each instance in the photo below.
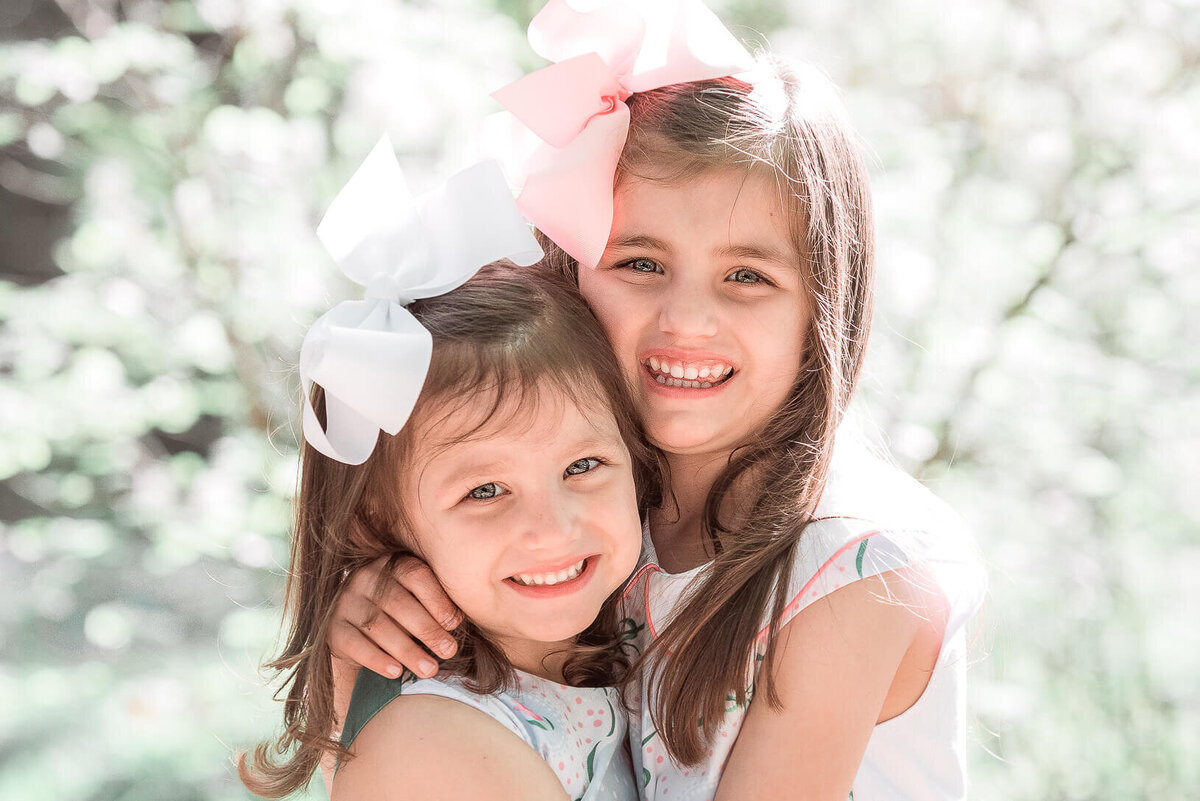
(733, 181)
(733, 209)
(516, 412)
(532, 431)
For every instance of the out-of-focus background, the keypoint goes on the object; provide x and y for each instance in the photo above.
(1036, 356)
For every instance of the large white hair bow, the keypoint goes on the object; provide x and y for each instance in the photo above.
(371, 355)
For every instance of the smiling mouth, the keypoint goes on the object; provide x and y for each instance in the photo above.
(687, 375)
(564, 576)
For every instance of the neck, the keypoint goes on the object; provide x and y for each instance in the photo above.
(676, 528)
(544, 659)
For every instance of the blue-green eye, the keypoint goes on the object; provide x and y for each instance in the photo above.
(744, 276)
(581, 466)
(486, 492)
(643, 266)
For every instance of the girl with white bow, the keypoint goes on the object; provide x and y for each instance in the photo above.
(479, 421)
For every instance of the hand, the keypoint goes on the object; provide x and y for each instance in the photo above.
(386, 635)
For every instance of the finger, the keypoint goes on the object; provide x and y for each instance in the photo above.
(361, 582)
(358, 647)
(349, 644)
(349, 614)
(362, 617)
(406, 615)
(397, 643)
(417, 577)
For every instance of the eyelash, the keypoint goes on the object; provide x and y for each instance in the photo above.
(599, 462)
(759, 278)
(471, 496)
(629, 264)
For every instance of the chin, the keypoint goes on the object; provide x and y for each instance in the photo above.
(563, 627)
(680, 439)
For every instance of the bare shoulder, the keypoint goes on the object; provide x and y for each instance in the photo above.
(888, 626)
(859, 655)
(436, 749)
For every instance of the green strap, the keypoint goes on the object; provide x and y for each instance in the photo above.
(372, 693)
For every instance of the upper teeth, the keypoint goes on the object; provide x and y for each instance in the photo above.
(689, 370)
(704, 374)
(533, 579)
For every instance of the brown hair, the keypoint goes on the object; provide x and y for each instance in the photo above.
(790, 126)
(507, 330)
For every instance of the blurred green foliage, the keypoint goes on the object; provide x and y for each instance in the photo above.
(1035, 358)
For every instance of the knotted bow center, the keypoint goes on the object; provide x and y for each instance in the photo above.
(388, 287)
(613, 99)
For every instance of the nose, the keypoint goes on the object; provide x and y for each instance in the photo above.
(688, 311)
(551, 521)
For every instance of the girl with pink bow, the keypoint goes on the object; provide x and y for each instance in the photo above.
(800, 606)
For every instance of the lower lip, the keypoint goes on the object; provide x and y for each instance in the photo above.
(668, 391)
(542, 591)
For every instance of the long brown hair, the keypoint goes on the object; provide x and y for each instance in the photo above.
(507, 332)
(790, 126)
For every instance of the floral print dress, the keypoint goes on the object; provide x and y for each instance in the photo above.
(872, 519)
(580, 732)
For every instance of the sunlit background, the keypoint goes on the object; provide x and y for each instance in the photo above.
(1036, 354)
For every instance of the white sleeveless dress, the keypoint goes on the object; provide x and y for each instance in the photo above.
(872, 519)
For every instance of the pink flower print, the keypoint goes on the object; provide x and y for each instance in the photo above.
(533, 718)
(613, 717)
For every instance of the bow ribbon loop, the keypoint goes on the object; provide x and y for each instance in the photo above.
(567, 122)
(558, 101)
(371, 356)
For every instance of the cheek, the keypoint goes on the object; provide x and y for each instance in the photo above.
(785, 330)
(454, 553)
(466, 582)
(620, 511)
(611, 307)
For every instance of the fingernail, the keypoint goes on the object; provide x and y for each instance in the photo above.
(451, 623)
(445, 649)
(427, 667)
(394, 671)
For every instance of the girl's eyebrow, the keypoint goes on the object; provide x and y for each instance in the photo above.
(600, 442)
(639, 242)
(760, 252)
(470, 470)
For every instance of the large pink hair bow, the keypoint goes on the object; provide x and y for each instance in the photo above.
(569, 120)
(371, 355)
